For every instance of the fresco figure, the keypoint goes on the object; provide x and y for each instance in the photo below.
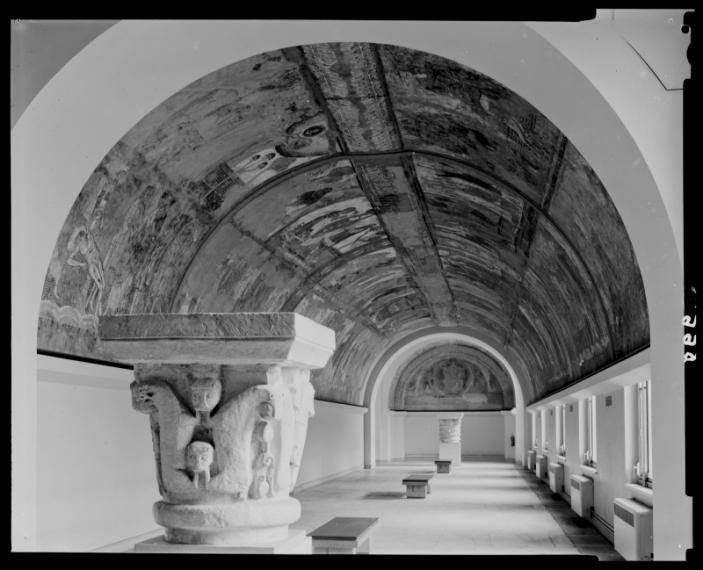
(453, 378)
(83, 244)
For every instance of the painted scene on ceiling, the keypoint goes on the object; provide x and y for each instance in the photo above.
(375, 189)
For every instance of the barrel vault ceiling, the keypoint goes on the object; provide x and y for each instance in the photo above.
(375, 189)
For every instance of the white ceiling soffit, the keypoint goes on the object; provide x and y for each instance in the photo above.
(657, 38)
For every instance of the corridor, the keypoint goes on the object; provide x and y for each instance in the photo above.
(480, 508)
(293, 250)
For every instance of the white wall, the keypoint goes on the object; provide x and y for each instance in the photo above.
(397, 440)
(609, 476)
(421, 435)
(537, 434)
(335, 443)
(610, 445)
(482, 433)
(611, 472)
(509, 426)
(96, 479)
(571, 436)
(550, 434)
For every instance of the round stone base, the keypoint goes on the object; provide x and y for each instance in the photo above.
(243, 523)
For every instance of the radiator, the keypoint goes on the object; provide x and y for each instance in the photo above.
(531, 459)
(556, 477)
(541, 467)
(633, 529)
(581, 495)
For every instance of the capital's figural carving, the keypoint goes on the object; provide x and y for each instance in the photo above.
(228, 398)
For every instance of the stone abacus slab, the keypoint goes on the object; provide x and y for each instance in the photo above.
(287, 339)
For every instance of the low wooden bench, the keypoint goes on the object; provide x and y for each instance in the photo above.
(443, 465)
(343, 535)
(417, 484)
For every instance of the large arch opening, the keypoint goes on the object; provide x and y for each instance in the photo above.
(648, 259)
(379, 428)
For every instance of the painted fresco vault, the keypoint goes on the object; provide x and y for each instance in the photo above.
(375, 189)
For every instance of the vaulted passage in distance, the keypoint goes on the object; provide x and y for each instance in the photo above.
(375, 189)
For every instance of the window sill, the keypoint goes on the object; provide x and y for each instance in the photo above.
(641, 494)
(561, 458)
(587, 470)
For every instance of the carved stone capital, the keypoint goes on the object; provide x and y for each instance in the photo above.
(228, 437)
(450, 430)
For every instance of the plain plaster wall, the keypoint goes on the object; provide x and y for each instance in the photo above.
(421, 435)
(508, 431)
(537, 435)
(611, 472)
(334, 445)
(154, 59)
(551, 439)
(609, 481)
(96, 477)
(482, 433)
(397, 439)
(572, 444)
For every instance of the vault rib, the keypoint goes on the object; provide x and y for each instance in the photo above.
(375, 157)
(527, 230)
(387, 95)
(297, 55)
(405, 238)
(408, 163)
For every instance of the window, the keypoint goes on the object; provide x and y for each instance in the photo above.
(561, 430)
(643, 465)
(589, 456)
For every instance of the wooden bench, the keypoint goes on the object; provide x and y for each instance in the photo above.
(417, 484)
(343, 535)
(443, 465)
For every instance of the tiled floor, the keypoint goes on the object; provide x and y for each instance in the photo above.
(486, 507)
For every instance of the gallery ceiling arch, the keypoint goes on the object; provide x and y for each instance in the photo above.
(452, 377)
(375, 189)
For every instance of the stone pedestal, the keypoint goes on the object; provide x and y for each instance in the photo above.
(229, 399)
(344, 535)
(450, 436)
